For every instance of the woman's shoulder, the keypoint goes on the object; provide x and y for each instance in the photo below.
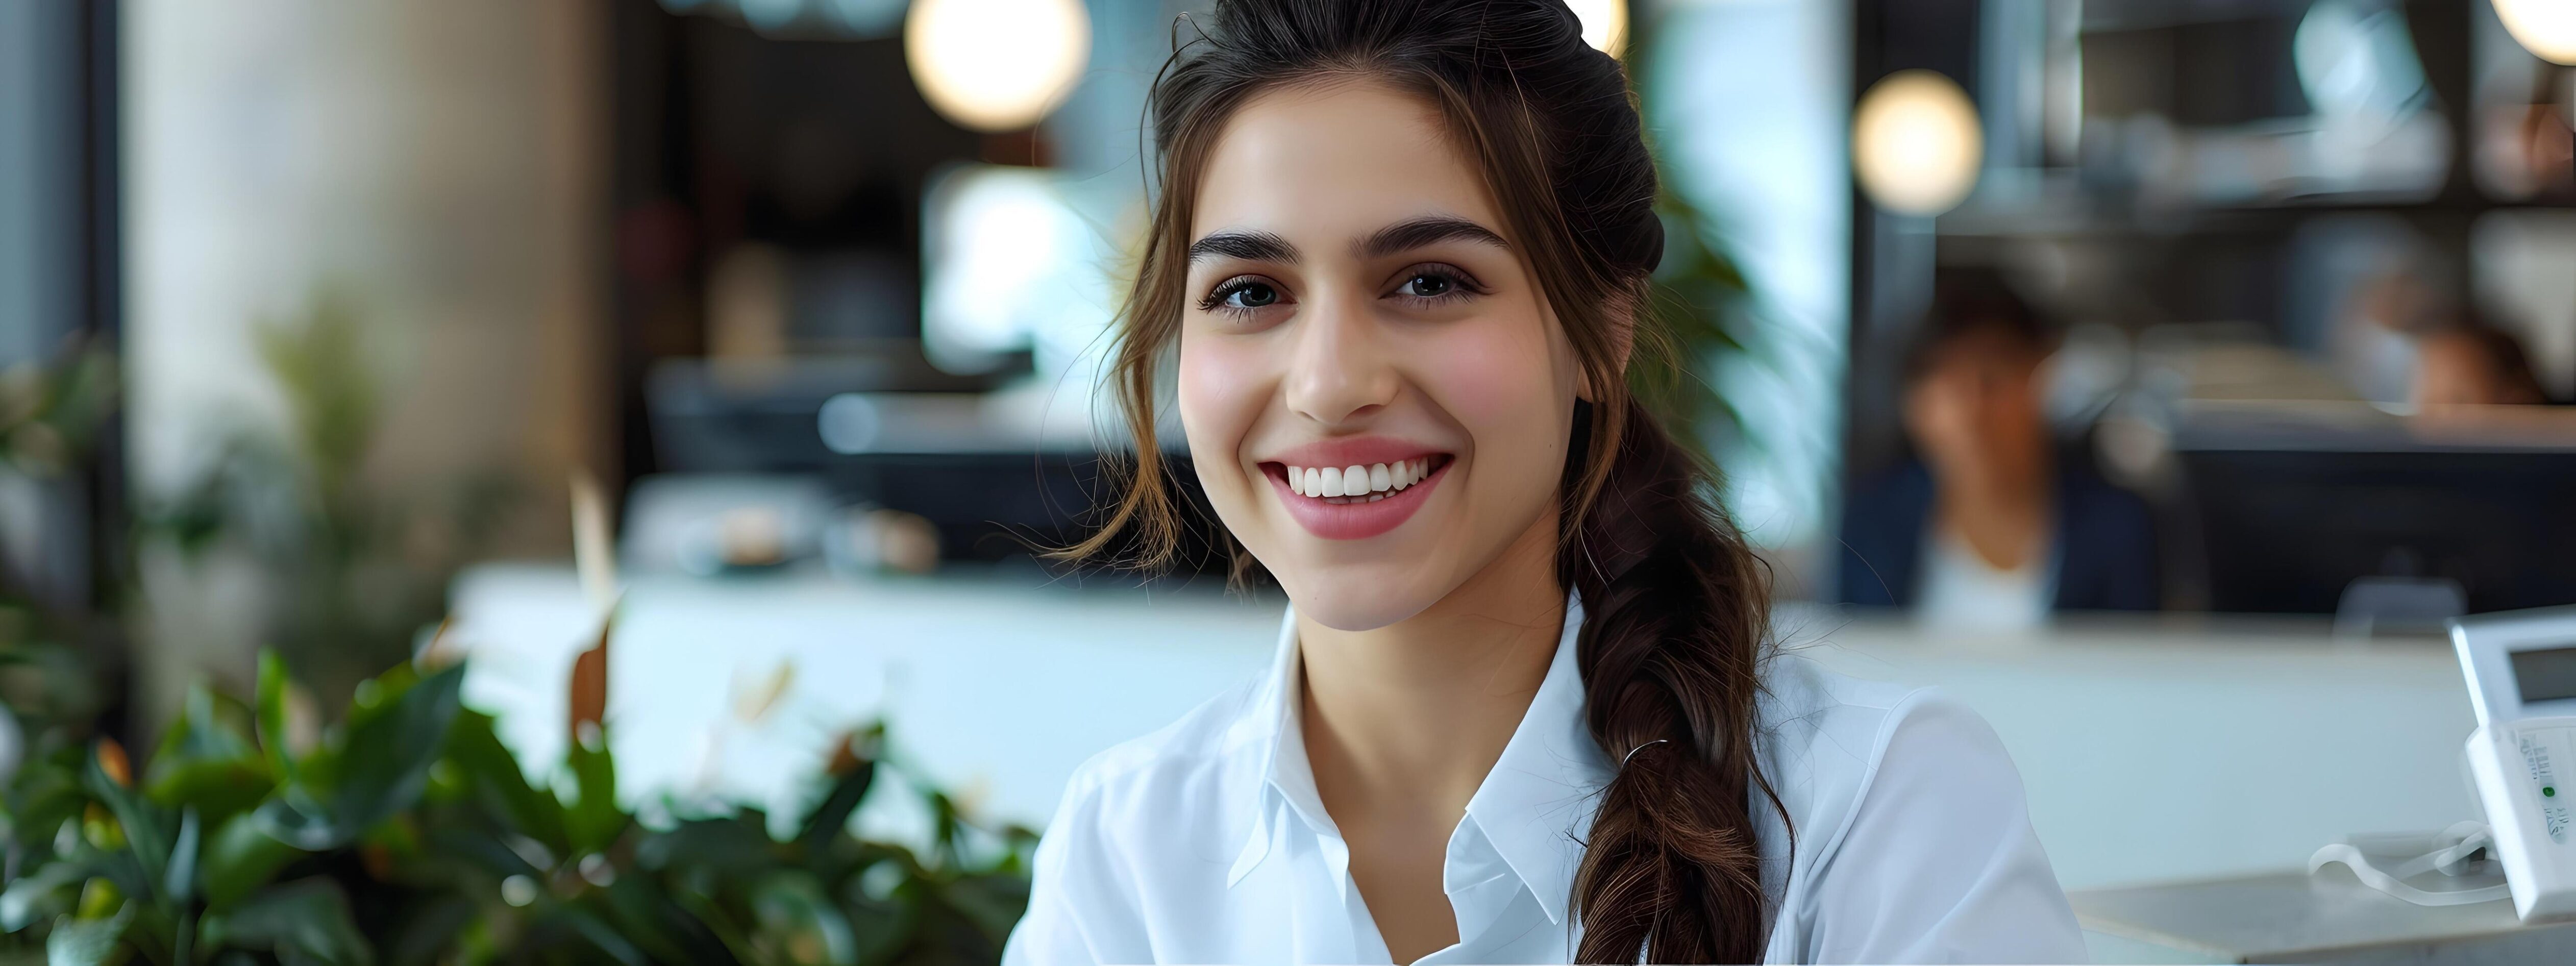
(1815, 717)
(1826, 738)
(1218, 729)
(1154, 815)
(1888, 783)
(1168, 778)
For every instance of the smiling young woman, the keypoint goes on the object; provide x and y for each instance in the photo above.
(1523, 709)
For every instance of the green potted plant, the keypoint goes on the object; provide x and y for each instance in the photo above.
(407, 833)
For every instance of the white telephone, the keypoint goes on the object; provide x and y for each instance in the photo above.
(2521, 669)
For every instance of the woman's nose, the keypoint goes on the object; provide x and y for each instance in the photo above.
(1338, 369)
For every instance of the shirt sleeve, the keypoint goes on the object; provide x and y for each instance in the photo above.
(1074, 915)
(1049, 934)
(1939, 863)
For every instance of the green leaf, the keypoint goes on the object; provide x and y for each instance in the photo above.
(604, 937)
(219, 789)
(86, 942)
(272, 713)
(209, 726)
(994, 903)
(831, 818)
(431, 932)
(377, 696)
(499, 786)
(796, 923)
(241, 858)
(381, 767)
(725, 846)
(31, 896)
(594, 819)
(480, 850)
(182, 871)
(296, 820)
(947, 827)
(385, 765)
(883, 926)
(307, 918)
(144, 836)
(645, 914)
(712, 917)
(44, 794)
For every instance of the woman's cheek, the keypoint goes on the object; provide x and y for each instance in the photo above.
(1484, 374)
(1221, 390)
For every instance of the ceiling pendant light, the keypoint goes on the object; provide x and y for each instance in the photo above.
(2547, 28)
(1916, 143)
(996, 65)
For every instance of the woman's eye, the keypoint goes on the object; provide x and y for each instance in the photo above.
(1437, 283)
(1241, 295)
(1251, 295)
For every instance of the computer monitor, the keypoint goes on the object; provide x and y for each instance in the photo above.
(2286, 530)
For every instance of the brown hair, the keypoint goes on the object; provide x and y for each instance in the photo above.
(1675, 604)
(1970, 302)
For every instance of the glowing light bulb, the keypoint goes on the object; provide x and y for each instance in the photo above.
(1605, 24)
(996, 65)
(2547, 28)
(1916, 143)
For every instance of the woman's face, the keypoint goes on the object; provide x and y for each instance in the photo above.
(1377, 398)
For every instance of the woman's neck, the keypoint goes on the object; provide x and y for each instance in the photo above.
(1402, 722)
(2003, 513)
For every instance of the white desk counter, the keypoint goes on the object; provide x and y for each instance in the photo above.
(2291, 917)
(2152, 750)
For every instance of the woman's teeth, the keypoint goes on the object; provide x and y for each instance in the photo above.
(1356, 484)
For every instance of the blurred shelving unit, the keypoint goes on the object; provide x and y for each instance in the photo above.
(2313, 176)
(795, 222)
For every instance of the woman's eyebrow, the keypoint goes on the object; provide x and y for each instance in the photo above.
(1250, 246)
(1407, 235)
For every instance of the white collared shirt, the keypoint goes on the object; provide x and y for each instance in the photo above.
(1205, 842)
(1960, 591)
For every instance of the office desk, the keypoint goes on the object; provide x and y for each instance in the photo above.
(2330, 917)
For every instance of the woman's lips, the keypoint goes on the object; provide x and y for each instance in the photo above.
(1334, 514)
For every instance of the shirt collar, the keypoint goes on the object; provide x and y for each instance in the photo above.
(1285, 778)
(1535, 806)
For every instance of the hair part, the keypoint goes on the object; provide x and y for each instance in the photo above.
(1676, 604)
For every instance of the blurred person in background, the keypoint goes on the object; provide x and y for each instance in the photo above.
(1523, 707)
(2371, 347)
(1993, 526)
(2471, 363)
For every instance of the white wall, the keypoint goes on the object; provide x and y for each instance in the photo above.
(439, 160)
(441, 163)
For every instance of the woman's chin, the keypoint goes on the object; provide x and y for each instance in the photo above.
(1360, 597)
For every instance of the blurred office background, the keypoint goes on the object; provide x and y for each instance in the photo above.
(2152, 373)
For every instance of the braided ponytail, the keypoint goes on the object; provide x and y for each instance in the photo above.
(1673, 608)
(1674, 601)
